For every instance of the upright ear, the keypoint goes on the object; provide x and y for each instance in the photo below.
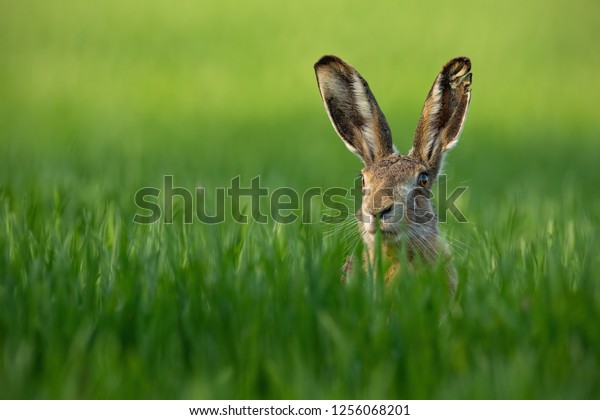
(443, 115)
(353, 110)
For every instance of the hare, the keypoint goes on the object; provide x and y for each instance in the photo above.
(396, 188)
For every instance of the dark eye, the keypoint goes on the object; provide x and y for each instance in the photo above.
(423, 180)
(362, 178)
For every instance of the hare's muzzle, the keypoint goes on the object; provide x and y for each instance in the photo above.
(386, 220)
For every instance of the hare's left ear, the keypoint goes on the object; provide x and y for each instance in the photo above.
(443, 115)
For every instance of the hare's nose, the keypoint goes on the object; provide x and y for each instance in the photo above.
(385, 213)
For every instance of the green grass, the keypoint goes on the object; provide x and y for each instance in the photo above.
(97, 102)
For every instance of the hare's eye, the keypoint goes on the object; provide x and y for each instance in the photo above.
(362, 179)
(423, 180)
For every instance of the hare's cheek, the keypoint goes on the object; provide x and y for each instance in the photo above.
(363, 215)
(421, 211)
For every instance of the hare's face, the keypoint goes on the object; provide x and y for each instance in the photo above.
(396, 199)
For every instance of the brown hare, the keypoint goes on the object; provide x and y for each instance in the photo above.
(397, 188)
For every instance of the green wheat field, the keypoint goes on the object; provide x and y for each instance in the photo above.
(98, 100)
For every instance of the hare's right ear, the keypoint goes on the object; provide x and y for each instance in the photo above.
(353, 110)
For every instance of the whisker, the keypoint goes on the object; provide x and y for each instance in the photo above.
(427, 249)
(356, 241)
(449, 239)
(456, 246)
(331, 230)
(455, 242)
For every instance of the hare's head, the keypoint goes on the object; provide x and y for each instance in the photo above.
(396, 188)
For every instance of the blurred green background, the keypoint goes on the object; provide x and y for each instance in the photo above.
(100, 99)
(233, 86)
